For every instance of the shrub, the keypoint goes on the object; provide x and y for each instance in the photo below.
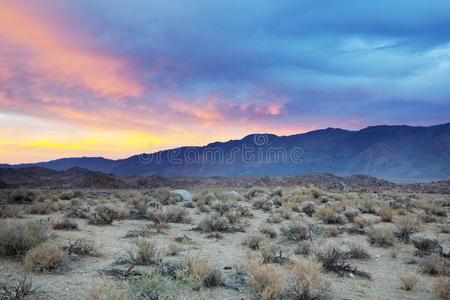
(407, 281)
(386, 213)
(333, 259)
(23, 289)
(103, 215)
(45, 257)
(105, 289)
(213, 222)
(425, 243)
(204, 274)
(23, 196)
(41, 208)
(435, 265)
(266, 280)
(80, 247)
(308, 208)
(268, 251)
(329, 216)
(146, 252)
(296, 231)
(367, 206)
(172, 214)
(407, 226)
(381, 236)
(233, 216)
(275, 219)
(307, 281)
(357, 251)
(303, 247)
(158, 286)
(65, 224)
(253, 241)
(173, 249)
(442, 288)
(11, 211)
(351, 213)
(17, 238)
(263, 203)
(256, 192)
(268, 231)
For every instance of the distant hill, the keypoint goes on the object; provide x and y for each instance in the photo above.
(396, 153)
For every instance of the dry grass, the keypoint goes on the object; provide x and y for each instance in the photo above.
(65, 224)
(357, 250)
(213, 222)
(386, 213)
(103, 215)
(329, 216)
(442, 288)
(203, 273)
(268, 231)
(173, 249)
(381, 236)
(46, 257)
(253, 241)
(146, 252)
(425, 242)
(266, 280)
(307, 281)
(296, 231)
(11, 211)
(435, 265)
(407, 225)
(17, 238)
(81, 247)
(105, 289)
(407, 281)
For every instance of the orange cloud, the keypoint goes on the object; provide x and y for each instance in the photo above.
(62, 60)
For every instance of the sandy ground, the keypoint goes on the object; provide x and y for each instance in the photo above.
(226, 252)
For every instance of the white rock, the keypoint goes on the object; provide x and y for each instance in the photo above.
(185, 195)
(234, 195)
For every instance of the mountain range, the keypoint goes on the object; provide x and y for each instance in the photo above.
(398, 153)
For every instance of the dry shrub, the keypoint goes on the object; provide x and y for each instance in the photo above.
(146, 252)
(103, 215)
(407, 226)
(23, 289)
(303, 247)
(357, 250)
(253, 241)
(41, 208)
(329, 216)
(213, 222)
(65, 224)
(173, 249)
(203, 273)
(361, 222)
(425, 242)
(80, 247)
(11, 211)
(435, 265)
(284, 211)
(172, 214)
(332, 231)
(268, 231)
(296, 231)
(444, 228)
(23, 196)
(268, 251)
(275, 219)
(381, 236)
(307, 281)
(266, 280)
(17, 238)
(46, 257)
(367, 206)
(105, 289)
(442, 288)
(386, 213)
(256, 192)
(308, 208)
(233, 216)
(407, 281)
(351, 213)
(263, 203)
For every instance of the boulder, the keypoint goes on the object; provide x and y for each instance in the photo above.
(185, 195)
(234, 195)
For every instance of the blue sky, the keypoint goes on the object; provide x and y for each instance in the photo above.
(191, 72)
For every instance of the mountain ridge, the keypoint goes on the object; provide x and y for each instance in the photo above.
(394, 152)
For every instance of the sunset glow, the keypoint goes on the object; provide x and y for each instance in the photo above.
(114, 79)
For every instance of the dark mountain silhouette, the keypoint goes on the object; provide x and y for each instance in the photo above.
(398, 153)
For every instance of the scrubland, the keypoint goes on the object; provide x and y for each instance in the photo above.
(254, 243)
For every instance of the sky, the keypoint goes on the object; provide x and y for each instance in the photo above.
(115, 78)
